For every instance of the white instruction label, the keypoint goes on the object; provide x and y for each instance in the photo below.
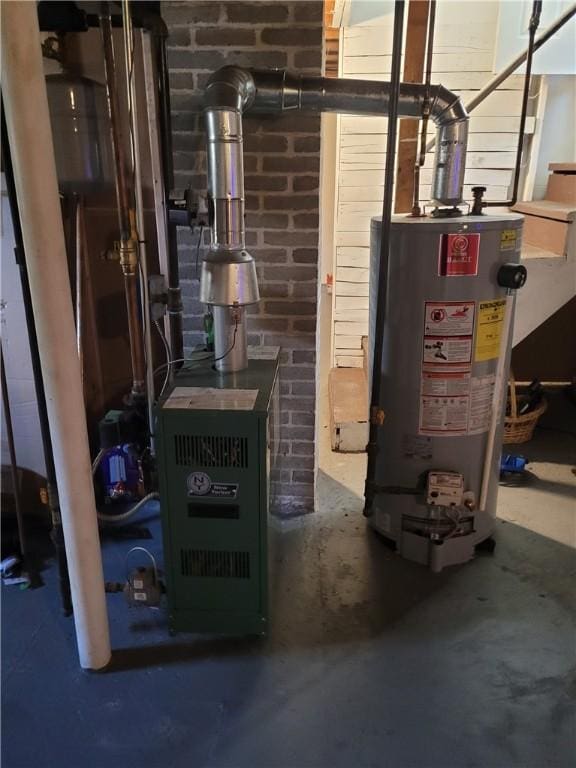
(444, 415)
(481, 396)
(445, 350)
(445, 384)
(449, 318)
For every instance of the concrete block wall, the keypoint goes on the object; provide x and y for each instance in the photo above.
(282, 164)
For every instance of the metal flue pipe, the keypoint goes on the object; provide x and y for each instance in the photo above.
(280, 91)
(30, 139)
(228, 272)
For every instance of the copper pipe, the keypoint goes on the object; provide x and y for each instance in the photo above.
(128, 246)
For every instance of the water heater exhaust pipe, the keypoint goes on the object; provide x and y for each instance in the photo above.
(228, 275)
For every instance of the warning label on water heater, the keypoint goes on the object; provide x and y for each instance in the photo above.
(444, 415)
(481, 396)
(445, 384)
(449, 318)
(440, 351)
(489, 332)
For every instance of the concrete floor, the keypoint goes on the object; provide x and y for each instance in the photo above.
(371, 661)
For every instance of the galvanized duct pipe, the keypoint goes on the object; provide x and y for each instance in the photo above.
(228, 271)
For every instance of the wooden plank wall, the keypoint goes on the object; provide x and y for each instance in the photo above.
(463, 57)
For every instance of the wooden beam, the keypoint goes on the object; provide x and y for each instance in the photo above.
(414, 58)
(331, 40)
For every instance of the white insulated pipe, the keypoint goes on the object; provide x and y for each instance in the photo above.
(30, 137)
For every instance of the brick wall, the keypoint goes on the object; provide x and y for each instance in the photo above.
(282, 162)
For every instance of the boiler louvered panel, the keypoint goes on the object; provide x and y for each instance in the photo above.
(209, 451)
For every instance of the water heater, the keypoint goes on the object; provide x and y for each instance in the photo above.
(447, 338)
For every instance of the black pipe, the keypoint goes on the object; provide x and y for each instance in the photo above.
(421, 159)
(532, 27)
(56, 534)
(376, 413)
(65, 16)
(173, 276)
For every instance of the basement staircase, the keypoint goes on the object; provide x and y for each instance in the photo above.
(548, 251)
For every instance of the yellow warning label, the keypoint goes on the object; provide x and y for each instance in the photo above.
(489, 329)
(508, 240)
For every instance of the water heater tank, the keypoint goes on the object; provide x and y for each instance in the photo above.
(444, 334)
(81, 132)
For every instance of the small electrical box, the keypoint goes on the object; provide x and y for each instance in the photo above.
(143, 588)
(445, 489)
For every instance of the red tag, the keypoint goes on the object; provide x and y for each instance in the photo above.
(458, 255)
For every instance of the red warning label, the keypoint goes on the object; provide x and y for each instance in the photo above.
(449, 318)
(458, 255)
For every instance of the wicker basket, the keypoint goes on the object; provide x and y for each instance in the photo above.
(520, 428)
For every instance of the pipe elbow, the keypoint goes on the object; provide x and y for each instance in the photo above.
(447, 108)
(451, 119)
(230, 88)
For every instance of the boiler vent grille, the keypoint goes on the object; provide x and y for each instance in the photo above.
(211, 451)
(208, 563)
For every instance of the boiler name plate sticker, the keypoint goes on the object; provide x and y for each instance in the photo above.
(489, 330)
(449, 318)
(200, 484)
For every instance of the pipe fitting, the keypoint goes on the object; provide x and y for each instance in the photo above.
(230, 88)
(128, 256)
